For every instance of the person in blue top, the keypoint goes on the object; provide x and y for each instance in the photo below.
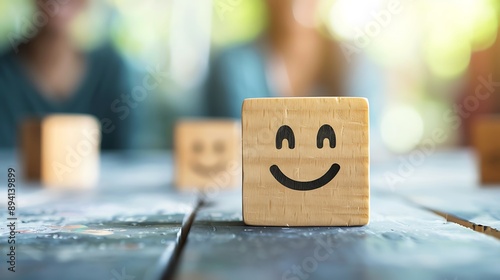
(50, 74)
(295, 57)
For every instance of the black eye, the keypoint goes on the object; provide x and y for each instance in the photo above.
(285, 132)
(326, 132)
(197, 147)
(219, 147)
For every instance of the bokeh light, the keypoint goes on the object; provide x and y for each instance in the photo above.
(346, 19)
(402, 128)
(447, 56)
(237, 21)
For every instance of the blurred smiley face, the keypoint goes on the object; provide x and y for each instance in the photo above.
(208, 153)
(208, 158)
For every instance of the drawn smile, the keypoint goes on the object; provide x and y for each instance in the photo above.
(207, 171)
(304, 186)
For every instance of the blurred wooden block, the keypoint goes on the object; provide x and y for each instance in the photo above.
(31, 148)
(486, 132)
(305, 161)
(61, 150)
(207, 154)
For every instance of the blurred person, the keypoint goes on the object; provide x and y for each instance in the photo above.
(293, 58)
(51, 74)
(480, 95)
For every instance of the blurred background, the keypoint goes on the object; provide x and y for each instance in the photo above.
(425, 65)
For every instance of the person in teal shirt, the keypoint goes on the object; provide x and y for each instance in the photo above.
(49, 74)
(235, 74)
(293, 58)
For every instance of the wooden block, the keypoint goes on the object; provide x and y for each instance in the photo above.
(31, 149)
(207, 154)
(486, 131)
(305, 161)
(61, 150)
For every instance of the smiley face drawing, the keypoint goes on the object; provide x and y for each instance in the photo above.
(285, 132)
(207, 154)
(215, 152)
(305, 161)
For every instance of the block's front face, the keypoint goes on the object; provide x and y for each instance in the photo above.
(305, 161)
(70, 151)
(208, 154)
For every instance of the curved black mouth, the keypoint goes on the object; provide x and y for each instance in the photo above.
(304, 186)
(207, 171)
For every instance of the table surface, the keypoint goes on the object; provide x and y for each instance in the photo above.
(429, 220)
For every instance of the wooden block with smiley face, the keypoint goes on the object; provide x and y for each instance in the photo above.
(485, 134)
(61, 151)
(305, 161)
(207, 154)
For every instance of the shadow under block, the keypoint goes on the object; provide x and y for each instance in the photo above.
(486, 132)
(61, 150)
(207, 154)
(306, 161)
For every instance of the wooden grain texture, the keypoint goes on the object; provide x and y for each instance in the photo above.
(448, 184)
(127, 227)
(93, 237)
(478, 209)
(61, 150)
(207, 154)
(309, 153)
(486, 131)
(401, 242)
(66, 235)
